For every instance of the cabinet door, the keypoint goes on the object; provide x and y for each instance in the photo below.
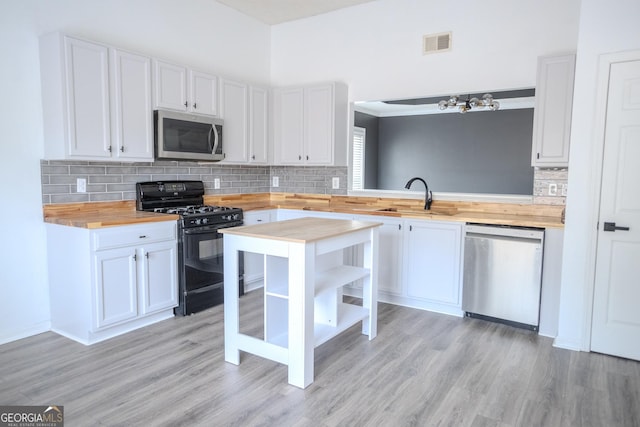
(288, 126)
(234, 111)
(318, 120)
(115, 286)
(258, 125)
(254, 263)
(158, 277)
(87, 66)
(433, 261)
(203, 95)
(552, 113)
(132, 110)
(390, 256)
(170, 86)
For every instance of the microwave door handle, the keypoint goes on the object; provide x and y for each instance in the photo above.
(215, 144)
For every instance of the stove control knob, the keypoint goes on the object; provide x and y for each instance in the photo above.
(197, 221)
(205, 220)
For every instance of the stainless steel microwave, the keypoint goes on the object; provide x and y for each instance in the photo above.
(184, 136)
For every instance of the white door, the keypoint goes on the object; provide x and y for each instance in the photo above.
(616, 317)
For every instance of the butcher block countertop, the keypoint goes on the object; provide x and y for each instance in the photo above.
(107, 214)
(300, 230)
(101, 214)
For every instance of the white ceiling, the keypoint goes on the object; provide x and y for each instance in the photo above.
(278, 11)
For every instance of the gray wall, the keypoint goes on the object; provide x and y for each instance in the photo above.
(482, 152)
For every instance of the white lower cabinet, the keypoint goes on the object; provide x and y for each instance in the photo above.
(108, 281)
(254, 263)
(433, 263)
(420, 264)
(390, 243)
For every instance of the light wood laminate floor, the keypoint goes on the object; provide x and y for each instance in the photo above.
(423, 369)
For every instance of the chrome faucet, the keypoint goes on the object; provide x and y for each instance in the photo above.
(428, 196)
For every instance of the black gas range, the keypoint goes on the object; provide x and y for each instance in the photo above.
(200, 250)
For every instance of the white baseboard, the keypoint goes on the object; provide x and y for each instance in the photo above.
(36, 329)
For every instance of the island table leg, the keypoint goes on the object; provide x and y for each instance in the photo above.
(231, 301)
(301, 319)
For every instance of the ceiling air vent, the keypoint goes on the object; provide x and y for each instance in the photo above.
(434, 43)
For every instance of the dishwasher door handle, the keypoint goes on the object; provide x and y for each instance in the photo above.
(611, 226)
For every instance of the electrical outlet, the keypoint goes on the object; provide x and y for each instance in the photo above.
(216, 183)
(275, 181)
(335, 182)
(81, 185)
(553, 189)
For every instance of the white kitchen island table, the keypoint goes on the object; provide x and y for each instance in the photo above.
(304, 272)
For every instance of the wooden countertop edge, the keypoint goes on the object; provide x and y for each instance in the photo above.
(108, 214)
(300, 230)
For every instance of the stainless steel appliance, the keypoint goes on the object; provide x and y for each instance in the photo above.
(200, 249)
(184, 136)
(502, 274)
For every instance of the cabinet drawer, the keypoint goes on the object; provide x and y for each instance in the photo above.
(133, 235)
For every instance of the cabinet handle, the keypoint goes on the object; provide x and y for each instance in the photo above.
(135, 257)
(122, 149)
(411, 228)
(146, 255)
(109, 149)
(253, 157)
(399, 226)
(142, 237)
(195, 105)
(307, 157)
(186, 104)
(299, 157)
(537, 155)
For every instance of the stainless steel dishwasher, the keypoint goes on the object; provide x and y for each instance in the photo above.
(502, 274)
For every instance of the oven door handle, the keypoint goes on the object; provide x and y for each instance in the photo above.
(208, 229)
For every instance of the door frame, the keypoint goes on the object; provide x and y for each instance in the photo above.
(602, 92)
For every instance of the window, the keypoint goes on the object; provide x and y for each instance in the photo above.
(357, 171)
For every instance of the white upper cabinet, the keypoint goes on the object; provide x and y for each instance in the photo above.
(203, 93)
(258, 125)
(552, 113)
(178, 88)
(132, 118)
(244, 109)
(96, 101)
(234, 112)
(310, 125)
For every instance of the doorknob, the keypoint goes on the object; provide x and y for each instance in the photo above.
(611, 226)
